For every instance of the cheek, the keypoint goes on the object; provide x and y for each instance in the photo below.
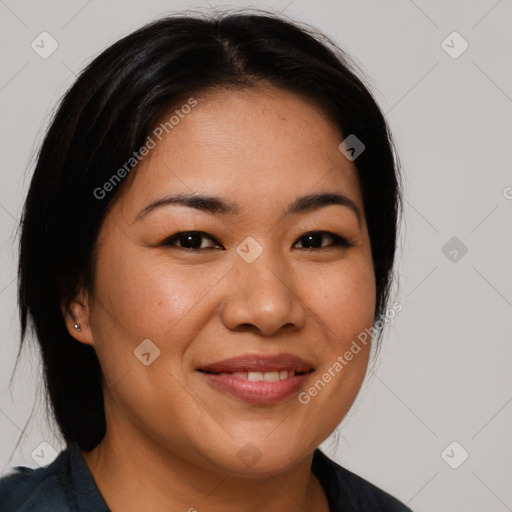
(149, 297)
(344, 300)
(140, 300)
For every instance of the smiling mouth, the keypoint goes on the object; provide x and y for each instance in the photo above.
(255, 376)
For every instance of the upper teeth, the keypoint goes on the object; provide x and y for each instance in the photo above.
(268, 376)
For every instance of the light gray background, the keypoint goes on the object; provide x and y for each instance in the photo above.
(444, 370)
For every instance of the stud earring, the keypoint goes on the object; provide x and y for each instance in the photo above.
(77, 327)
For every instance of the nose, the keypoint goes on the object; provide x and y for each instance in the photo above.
(261, 297)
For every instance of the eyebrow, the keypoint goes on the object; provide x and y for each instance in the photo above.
(216, 205)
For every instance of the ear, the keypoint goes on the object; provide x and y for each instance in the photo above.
(78, 312)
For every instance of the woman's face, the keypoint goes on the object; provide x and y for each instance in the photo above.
(253, 286)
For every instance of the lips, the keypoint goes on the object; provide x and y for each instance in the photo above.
(258, 379)
(259, 363)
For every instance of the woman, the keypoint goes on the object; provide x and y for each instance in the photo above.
(207, 241)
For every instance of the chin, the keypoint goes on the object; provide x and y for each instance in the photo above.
(259, 457)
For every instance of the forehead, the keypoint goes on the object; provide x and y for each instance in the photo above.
(259, 146)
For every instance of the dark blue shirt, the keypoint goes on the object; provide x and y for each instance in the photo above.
(67, 485)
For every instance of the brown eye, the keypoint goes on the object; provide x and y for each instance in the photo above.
(191, 240)
(313, 240)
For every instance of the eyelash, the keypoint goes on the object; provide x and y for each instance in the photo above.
(339, 241)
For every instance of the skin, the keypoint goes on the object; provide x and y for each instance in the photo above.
(172, 438)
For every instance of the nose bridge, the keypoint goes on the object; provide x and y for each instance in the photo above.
(262, 293)
(266, 277)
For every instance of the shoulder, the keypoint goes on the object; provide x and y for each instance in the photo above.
(43, 489)
(347, 491)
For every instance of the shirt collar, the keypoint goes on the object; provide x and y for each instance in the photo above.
(87, 494)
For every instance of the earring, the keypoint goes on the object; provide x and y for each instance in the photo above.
(77, 327)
